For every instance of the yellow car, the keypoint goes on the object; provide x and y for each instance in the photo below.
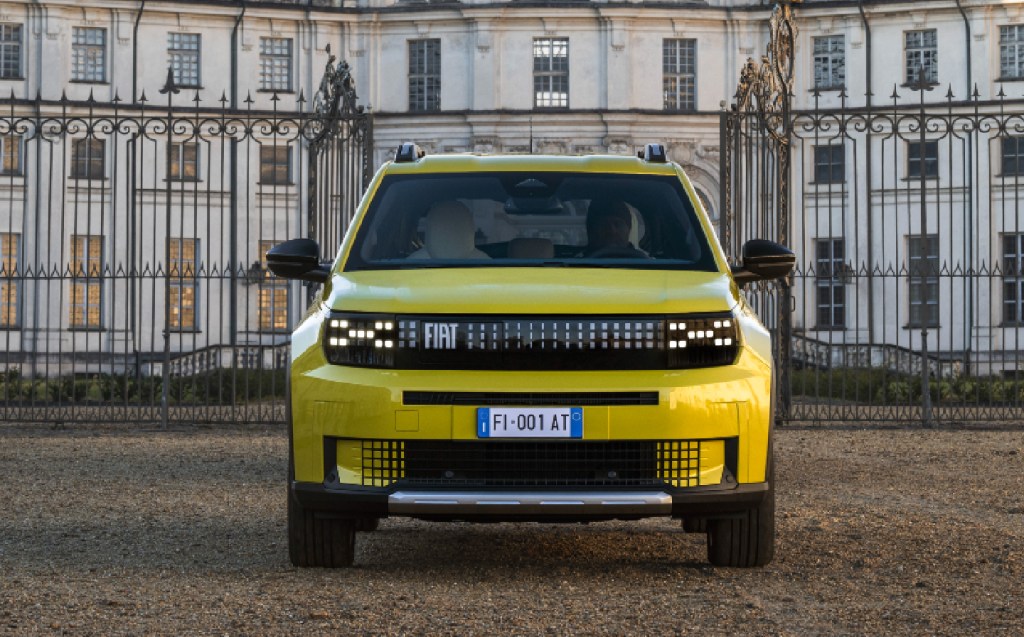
(555, 339)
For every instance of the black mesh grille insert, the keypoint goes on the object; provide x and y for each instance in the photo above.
(383, 462)
(531, 463)
(547, 399)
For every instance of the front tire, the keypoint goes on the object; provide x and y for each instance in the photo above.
(319, 541)
(749, 540)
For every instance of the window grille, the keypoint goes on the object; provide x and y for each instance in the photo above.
(679, 74)
(922, 52)
(10, 51)
(183, 54)
(276, 64)
(425, 75)
(551, 72)
(89, 54)
(830, 62)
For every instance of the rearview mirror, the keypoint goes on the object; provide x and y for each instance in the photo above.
(763, 261)
(298, 259)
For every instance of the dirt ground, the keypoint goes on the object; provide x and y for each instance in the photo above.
(110, 531)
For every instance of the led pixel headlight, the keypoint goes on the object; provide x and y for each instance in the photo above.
(702, 341)
(361, 340)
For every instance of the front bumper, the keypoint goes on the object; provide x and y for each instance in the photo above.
(493, 505)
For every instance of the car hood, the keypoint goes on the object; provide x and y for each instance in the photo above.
(530, 291)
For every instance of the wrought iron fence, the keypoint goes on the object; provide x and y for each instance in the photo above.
(132, 278)
(907, 305)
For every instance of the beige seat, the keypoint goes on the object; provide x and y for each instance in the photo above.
(450, 233)
(524, 248)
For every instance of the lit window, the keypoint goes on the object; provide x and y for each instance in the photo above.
(273, 296)
(10, 154)
(184, 164)
(183, 268)
(86, 280)
(10, 281)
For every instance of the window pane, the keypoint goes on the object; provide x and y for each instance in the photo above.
(922, 53)
(1013, 281)
(10, 51)
(183, 54)
(679, 74)
(88, 54)
(923, 290)
(275, 165)
(87, 158)
(831, 290)
(551, 72)
(424, 75)
(275, 64)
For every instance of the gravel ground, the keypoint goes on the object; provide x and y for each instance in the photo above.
(108, 531)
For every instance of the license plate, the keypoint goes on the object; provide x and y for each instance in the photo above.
(529, 422)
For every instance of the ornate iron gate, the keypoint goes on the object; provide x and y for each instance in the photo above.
(755, 177)
(132, 235)
(906, 214)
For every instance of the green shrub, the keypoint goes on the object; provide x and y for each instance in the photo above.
(883, 387)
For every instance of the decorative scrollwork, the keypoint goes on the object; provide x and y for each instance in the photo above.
(335, 101)
(766, 85)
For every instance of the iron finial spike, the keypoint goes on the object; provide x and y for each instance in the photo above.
(169, 85)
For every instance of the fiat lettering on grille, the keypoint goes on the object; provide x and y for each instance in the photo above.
(440, 335)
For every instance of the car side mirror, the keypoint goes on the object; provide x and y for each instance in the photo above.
(298, 259)
(763, 261)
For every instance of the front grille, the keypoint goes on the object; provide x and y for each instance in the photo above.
(564, 343)
(425, 463)
(500, 399)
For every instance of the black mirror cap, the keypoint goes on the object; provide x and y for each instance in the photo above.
(764, 260)
(298, 259)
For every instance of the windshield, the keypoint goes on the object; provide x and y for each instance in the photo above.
(504, 219)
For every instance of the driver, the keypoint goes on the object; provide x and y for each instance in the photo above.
(609, 222)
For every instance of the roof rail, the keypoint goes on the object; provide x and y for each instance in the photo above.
(654, 153)
(409, 152)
